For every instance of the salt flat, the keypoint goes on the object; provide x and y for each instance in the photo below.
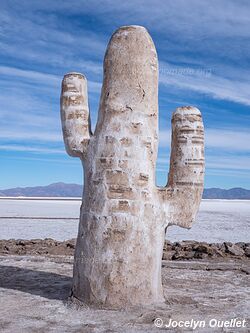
(217, 220)
(34, 291)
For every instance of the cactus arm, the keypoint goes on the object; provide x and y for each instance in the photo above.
(75, 114)
(186, 174)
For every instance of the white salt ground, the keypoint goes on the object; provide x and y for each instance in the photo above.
(217, 220)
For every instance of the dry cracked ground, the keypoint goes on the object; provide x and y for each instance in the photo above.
(34, 291)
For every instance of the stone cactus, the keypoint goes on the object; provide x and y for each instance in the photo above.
(124, 215)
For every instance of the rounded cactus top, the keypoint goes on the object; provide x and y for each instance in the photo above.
(185, 110)
(74, 73)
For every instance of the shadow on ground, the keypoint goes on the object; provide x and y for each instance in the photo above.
(44, 284)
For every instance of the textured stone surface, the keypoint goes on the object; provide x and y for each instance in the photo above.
(234, 250)
(185, 250)
(123, 214)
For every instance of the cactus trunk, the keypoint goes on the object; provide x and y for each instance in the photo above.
(123, 214)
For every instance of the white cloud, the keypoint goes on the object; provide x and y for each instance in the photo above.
(228, 139)
(41, 77)
(31, 135)
(75, 49)
(29, 113)
(235, 140)
(206, 34)
(214, 163)
(227, 150)
(204, 81)
(234, 161)
(178, 15)
(165, 138)
(37, 150)
(244, 173)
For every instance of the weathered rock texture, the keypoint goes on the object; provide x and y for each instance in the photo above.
(185, 250)
(123, 214)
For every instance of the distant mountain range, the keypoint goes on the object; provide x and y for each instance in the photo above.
(52, 190)
(232, 193)
(75, 190)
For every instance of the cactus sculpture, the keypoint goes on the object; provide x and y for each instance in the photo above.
(124, 215)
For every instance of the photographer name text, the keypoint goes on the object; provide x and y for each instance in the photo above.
(194, 324)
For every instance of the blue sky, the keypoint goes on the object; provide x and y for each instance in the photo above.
(204, 54)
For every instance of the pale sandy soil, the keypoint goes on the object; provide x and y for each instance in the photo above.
(34, 290)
